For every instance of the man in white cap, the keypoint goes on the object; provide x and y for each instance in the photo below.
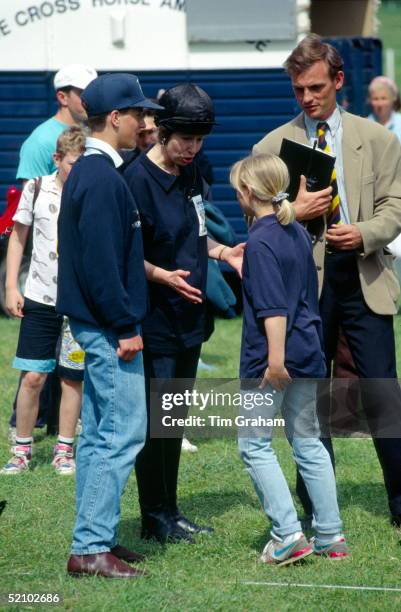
(36, 155)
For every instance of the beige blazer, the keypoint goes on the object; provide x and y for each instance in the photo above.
(372, 169)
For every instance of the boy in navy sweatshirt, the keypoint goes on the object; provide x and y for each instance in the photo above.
(102, 288)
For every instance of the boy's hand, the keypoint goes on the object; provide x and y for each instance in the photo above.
(14, 303)
(276, 376)
(129, 347)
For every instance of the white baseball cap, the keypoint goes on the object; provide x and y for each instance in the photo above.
(74, 75)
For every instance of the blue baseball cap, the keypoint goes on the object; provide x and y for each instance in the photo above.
(114, 92)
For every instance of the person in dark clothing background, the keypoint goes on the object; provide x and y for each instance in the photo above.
(169, 191)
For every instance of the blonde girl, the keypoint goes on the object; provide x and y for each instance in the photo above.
(281, 344)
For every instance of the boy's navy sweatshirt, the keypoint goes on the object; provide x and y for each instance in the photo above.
(101, 277)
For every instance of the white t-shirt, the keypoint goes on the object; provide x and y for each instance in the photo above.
(41, 284)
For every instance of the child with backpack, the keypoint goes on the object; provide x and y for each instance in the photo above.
(41, 326)
(281, 357)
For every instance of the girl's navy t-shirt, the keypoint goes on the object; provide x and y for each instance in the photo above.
(279, 279)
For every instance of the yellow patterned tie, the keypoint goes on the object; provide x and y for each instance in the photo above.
(333, 213)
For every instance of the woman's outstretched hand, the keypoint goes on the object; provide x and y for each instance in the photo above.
(176, 280)
(234, 257)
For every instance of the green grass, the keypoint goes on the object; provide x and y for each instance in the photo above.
(35, 528)
(214, 488)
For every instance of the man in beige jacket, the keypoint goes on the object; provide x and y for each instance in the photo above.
(358, 289)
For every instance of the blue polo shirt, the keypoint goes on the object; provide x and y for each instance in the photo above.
(174, 238)
(279, 279)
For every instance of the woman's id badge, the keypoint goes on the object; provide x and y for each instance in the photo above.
(200, 211)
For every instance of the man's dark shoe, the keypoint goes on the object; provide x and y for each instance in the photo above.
(104, 565)
(162, 527)
(127, 555)
(190, 527)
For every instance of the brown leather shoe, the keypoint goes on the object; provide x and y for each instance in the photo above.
(104, 565)
(127, 555)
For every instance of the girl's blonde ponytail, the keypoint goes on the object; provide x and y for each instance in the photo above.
(267, 177)
(283, 209)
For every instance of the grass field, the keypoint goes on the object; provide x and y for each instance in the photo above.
(215, 573)
(220, 573)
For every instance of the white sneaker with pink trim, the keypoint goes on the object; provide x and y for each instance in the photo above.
(19, 462)
(335, 549)
(63, 460)
(291, 549)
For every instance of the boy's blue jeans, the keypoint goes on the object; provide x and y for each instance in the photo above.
(113, 432)
(298, 407)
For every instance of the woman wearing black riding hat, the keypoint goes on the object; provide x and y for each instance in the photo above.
(169, 192)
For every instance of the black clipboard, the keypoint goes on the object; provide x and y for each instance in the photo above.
(316, 165)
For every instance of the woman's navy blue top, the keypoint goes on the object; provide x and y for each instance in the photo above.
(174, 237)
(101, 273)
(279, 279)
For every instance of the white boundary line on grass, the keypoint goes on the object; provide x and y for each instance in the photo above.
(321, 586)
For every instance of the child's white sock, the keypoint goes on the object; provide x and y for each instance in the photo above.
(64, 440)
(19, 441)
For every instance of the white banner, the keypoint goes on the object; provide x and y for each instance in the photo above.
(117, 35)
